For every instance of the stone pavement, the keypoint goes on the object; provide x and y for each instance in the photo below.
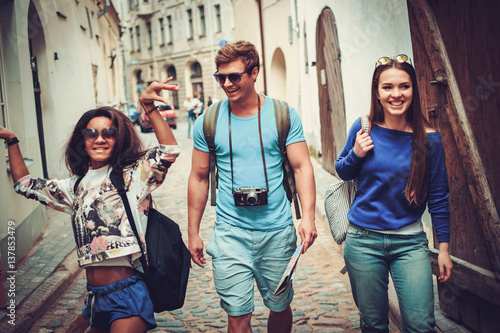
(322, 303)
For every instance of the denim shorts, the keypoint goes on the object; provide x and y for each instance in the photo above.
(240, 256)
(121, 299)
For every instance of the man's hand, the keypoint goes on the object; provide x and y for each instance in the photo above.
(196, 249)
(307, 233)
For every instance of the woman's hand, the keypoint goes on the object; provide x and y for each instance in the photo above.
(149, 96)
(363, 143)
(444, 262)
(152, 93)
(18, 168)
(5, 133)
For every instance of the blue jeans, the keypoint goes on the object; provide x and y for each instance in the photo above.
(370, 256)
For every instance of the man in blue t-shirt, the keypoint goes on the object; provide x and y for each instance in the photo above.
(254, 236)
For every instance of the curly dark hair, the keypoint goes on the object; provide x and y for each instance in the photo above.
(128, 148)
(416, 187)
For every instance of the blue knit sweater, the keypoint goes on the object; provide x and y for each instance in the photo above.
(380, 201)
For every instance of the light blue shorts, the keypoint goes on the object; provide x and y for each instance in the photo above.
(240, 256)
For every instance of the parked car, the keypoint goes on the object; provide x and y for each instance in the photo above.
(167, 111)
(132, 113)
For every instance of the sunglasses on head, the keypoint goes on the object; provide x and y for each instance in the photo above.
(233, 77)
(107, 133)
(399, 58)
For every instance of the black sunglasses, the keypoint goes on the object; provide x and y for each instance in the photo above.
(107, 133)
(399, 58)
(233, 77)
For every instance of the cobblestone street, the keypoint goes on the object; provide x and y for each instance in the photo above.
(322, 303)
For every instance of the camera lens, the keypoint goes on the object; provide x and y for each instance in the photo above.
(252, 198)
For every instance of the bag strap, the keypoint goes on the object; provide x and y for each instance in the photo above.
(209, 127)
(118, 182)
(77, 183)
(282, 115)
(366, 124)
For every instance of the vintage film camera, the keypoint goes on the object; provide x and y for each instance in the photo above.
(250, 196)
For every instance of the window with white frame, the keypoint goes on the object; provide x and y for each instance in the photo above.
(150, 35)
(132, 47)
(162, 32)
(138, 33)
(218, 21)
(190, 23)
(203, 28)
(170, 30)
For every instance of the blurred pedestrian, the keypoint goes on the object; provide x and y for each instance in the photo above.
(197, 105)
(189, 114)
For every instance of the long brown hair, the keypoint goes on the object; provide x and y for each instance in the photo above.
(418, 177)
(128, 148)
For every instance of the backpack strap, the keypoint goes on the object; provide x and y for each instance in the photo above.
(118, 182)
(77, 183)
(282, 115)
(209, 127)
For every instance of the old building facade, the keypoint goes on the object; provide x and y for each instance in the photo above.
(178, 39)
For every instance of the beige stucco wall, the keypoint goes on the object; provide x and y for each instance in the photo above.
(366, 30)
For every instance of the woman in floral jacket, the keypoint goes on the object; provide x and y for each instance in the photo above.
(103, 140)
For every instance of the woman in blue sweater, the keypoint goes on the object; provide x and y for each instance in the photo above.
(400, 166)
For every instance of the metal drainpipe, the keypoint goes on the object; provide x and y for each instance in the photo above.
(262, 46)
(104, 10)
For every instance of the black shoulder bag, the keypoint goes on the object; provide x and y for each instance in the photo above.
(166, 271)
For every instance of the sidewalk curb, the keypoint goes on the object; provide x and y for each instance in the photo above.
(40, 300)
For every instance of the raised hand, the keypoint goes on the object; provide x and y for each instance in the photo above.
(152, 93)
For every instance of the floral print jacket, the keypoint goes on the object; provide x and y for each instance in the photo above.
(100, 224)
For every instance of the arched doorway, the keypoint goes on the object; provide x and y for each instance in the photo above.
(331, 92)
(277, 77)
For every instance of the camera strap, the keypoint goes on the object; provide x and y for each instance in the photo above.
(261, 144)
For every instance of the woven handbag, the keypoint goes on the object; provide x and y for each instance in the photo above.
(339, 198)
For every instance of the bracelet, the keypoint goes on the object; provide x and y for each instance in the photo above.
(155, 108)
(11, 141)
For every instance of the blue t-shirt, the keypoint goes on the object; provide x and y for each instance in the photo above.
(380, 201)
(248, 168)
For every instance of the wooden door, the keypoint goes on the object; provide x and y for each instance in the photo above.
(331, 92)
(455, 46)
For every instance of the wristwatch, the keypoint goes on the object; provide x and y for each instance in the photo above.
(11, 141)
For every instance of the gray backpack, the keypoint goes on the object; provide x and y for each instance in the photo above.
(283, 126)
